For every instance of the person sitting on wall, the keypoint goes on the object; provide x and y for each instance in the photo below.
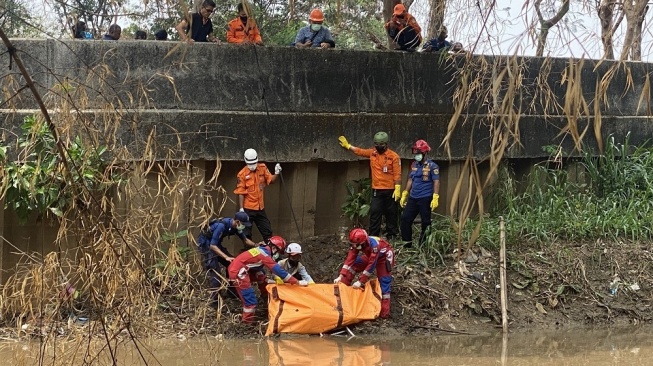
(161, 35)
(198, 27)
(456, 47)
(439, 43)
(80, 31)
(113, 34)
(243, 29)
(315, 34)
(403, 29)
(140, 35)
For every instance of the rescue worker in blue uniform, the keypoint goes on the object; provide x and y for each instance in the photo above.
(421, 194)
(214, 254)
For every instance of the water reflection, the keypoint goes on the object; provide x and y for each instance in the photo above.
(631, 346)
(323, 351)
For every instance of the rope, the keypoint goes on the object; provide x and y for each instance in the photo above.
(250, 15)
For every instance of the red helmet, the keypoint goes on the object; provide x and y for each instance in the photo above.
(358, 236)
(278, 242)
(421, 146)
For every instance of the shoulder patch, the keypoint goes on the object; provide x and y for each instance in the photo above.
(436, 171)
(254, 252)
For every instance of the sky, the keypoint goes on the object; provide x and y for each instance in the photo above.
(507, 28)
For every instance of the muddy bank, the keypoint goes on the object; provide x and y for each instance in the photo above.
(553, 285)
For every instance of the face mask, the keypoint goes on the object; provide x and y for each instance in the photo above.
(251, 167)
(316, 27)
(275, 256)
(419, 157)
(381, 149)
(240, 228)
(243, 19)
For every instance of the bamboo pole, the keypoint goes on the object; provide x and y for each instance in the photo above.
(502, 273)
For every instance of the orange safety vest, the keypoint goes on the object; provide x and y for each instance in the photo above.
(386, 167)
(237, 32)
(251, 185)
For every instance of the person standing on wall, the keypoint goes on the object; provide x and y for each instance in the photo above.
(385, 165)
(252, 180)
(421, 194)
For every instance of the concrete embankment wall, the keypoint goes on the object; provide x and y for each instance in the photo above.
(205, 101)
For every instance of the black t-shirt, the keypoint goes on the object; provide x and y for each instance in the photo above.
(200, 31)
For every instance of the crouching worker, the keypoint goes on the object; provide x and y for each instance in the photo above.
(214, 254)
(367, 253)
(292, 265)
(248, 268)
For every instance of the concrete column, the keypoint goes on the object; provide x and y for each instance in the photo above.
(303, 189)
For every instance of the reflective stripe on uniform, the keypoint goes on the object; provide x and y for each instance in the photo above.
(385, 296)
(285, 279)
(346, 267)
(366, 273)
(249, 310)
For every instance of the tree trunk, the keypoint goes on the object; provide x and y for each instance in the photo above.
(635, 11)
(547, 24)
(436, 17)
(606, 15)
(636, 50)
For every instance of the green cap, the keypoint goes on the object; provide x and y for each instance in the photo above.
(381, 137)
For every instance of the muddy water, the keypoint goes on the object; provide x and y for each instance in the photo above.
(579, 347)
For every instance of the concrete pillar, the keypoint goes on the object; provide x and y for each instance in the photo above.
(301, 185)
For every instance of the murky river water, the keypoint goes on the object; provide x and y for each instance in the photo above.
(632, 346)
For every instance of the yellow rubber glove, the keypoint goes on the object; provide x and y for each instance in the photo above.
(343, 142)
(434, 202)
(404, 199)
(397, 193)
(278, 280)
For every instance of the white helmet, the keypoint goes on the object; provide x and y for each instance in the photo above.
(294, 248)
(251, 157)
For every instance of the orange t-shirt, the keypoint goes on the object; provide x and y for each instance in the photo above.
(237, 32)
(386, 167)
(251, 185)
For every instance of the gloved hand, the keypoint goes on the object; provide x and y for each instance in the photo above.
(343, 142)
(357, 285)
(337, 280)
(277, 168)
(434, 202)
(311, 283)
(278, 280)
(404, 199)
(241, 210)
(303, 283)
(397, 193)
(271, 281)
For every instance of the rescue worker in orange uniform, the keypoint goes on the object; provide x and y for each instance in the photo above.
(385, 165)
(247, 267)
(243, 29)
(403, 29)
(367, 253)
(252, 180)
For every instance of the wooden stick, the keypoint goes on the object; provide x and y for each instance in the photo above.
(502, 273)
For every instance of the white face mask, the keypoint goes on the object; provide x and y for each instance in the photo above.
(240, 228)
(252, 167)
(419, 157)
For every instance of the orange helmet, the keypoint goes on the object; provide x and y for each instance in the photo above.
(316, 15)
(278, 242)
(421, 147)
(357, 237)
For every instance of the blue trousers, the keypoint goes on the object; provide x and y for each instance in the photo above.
(414, 206)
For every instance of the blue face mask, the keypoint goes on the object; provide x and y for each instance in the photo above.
(316, 27)
(419, 157)
(240, 228)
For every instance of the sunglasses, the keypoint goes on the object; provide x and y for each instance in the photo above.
(209, 10)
